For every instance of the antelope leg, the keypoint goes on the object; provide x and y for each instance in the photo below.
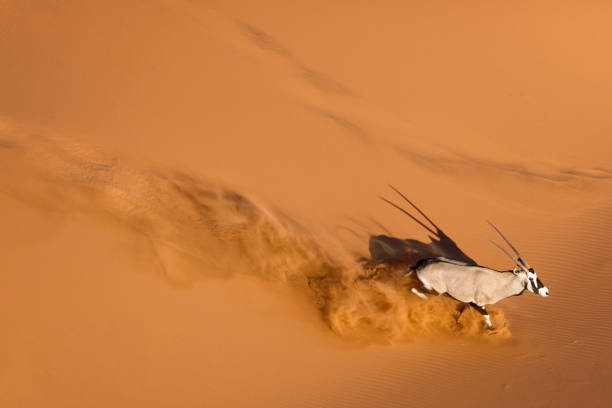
(419, 294)
(483, 311)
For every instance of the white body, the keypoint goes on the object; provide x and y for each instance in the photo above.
(470, 284)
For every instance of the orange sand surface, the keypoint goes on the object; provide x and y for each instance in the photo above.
(186, 188)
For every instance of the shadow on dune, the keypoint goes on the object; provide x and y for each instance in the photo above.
(192, 228)
(386, 248)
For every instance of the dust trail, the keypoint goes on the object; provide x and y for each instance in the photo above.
(197, 229)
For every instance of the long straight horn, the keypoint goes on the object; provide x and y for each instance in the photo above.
(520, 259)
(503, 249)
(408, 214)
(415, 207)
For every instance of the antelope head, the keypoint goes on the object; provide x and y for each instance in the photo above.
(522, 268)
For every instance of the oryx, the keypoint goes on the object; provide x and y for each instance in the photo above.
(477, 285)
(473, 284)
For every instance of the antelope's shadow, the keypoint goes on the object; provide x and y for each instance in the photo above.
(385, 248)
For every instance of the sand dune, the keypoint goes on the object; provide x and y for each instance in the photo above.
(187, 191)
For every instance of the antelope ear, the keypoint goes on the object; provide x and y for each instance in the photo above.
(516, 271)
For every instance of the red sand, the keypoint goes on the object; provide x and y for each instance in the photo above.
(122, 123)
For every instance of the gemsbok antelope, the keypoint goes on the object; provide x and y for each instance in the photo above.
(477, 285)
(470, 283)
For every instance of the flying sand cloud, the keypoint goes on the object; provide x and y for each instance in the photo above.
(201, 229)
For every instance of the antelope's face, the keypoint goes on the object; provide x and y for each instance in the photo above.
(532, 282)
(522, 269)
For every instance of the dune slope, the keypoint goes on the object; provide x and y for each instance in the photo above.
(186, 189)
